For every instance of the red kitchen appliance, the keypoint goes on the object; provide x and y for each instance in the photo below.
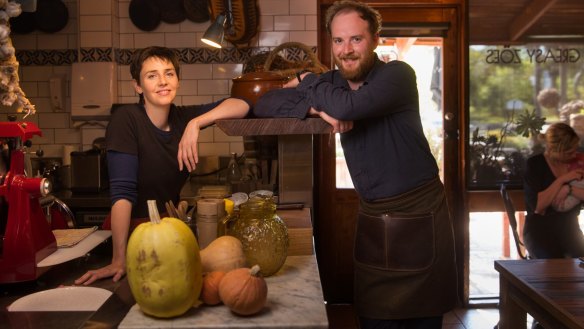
(26, 236)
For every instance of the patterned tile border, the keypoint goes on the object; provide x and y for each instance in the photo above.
(123, 56)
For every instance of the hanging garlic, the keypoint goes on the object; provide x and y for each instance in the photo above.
(10, 91)
(13, 9)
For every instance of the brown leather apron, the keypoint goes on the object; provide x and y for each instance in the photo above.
(405, 264)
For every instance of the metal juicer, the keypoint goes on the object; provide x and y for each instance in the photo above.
(26, 236)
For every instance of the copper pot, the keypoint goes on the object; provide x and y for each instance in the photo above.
(251, 86)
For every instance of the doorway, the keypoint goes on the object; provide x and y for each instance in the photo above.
(440, 34)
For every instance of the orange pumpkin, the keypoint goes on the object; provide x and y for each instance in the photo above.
(244, 290)
(210, 291)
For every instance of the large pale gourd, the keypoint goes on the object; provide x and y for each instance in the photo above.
(223, 254)
(163, 266)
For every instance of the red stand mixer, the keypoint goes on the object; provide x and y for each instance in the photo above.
(26, 236)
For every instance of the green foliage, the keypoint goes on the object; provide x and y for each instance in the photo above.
(529, 124)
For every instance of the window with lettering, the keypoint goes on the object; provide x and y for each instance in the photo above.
(515, 93)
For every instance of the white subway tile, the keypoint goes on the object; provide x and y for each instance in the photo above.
(308, 38)
(35, 73)
(275, 7)
(126, 40)
(53, 41)
(196, 71)
(123, 9)
(52, 151)
(96, 39)
(126, 88)
(217, 98)
(273, 39)
(213, 87)
(128, 100)
(180, 40)
(31, 89)
(96, 23)
(220, 136)
(237, 147)
(196, 100)
(226, 71)
(187, 87)
(303, 7)
(72, 41)
(206, 135)
(188, 26)
(53, 120)
(48, 137)
(43, 89)
(93, 7)
(289, 23)
(24, 41)
(266, 23)
(88, 135)
(41, 104)
(216, 149)
(126, 26)
(142, 40)
(67, 136)
(311, 23)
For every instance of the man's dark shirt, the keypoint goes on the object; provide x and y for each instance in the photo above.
(386, 151)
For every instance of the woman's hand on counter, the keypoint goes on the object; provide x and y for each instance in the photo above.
(117, 271)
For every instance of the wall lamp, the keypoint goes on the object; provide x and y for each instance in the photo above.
(216, 32)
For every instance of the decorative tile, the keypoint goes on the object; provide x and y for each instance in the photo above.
(96, 54)
(201, 55)
(46, 57)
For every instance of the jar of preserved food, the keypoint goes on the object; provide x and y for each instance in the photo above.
(263, 233)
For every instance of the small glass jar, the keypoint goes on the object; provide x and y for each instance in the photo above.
(263, 233)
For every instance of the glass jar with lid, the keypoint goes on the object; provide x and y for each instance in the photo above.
(263, 233)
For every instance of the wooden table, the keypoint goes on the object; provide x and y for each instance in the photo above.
(550, 290)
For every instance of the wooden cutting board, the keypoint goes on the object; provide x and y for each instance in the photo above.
(299, 222)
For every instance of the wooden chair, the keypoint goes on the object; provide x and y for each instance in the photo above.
(510, 210)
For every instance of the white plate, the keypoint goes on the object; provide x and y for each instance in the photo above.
(62, 299)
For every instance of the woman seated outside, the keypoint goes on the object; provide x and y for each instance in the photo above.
(551, 230)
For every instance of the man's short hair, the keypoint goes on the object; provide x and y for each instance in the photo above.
(367, 13)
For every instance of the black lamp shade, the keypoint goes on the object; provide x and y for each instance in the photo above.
(214, 34)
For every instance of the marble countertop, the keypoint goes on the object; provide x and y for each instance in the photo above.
(295, 300)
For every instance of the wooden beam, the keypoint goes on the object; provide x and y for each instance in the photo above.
(529, 16)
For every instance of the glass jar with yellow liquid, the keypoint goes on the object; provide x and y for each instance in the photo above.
(263, 233)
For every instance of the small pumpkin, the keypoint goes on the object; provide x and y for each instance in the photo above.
(210, 291)
(244, 290)
(163, 266)
(224, 254)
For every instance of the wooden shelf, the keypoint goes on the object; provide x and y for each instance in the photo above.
(273, 126)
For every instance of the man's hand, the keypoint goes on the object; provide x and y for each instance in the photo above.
(294, 82)
(339, 126)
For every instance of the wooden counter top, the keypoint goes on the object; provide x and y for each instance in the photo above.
(273, 126)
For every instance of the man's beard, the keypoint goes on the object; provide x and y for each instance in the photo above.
(360, 72)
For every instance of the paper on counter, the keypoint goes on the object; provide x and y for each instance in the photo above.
(63, 255)
(69, 237)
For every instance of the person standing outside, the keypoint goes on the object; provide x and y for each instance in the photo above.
(404, 254)
(151, 148)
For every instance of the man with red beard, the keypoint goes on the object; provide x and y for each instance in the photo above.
(405, 273)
